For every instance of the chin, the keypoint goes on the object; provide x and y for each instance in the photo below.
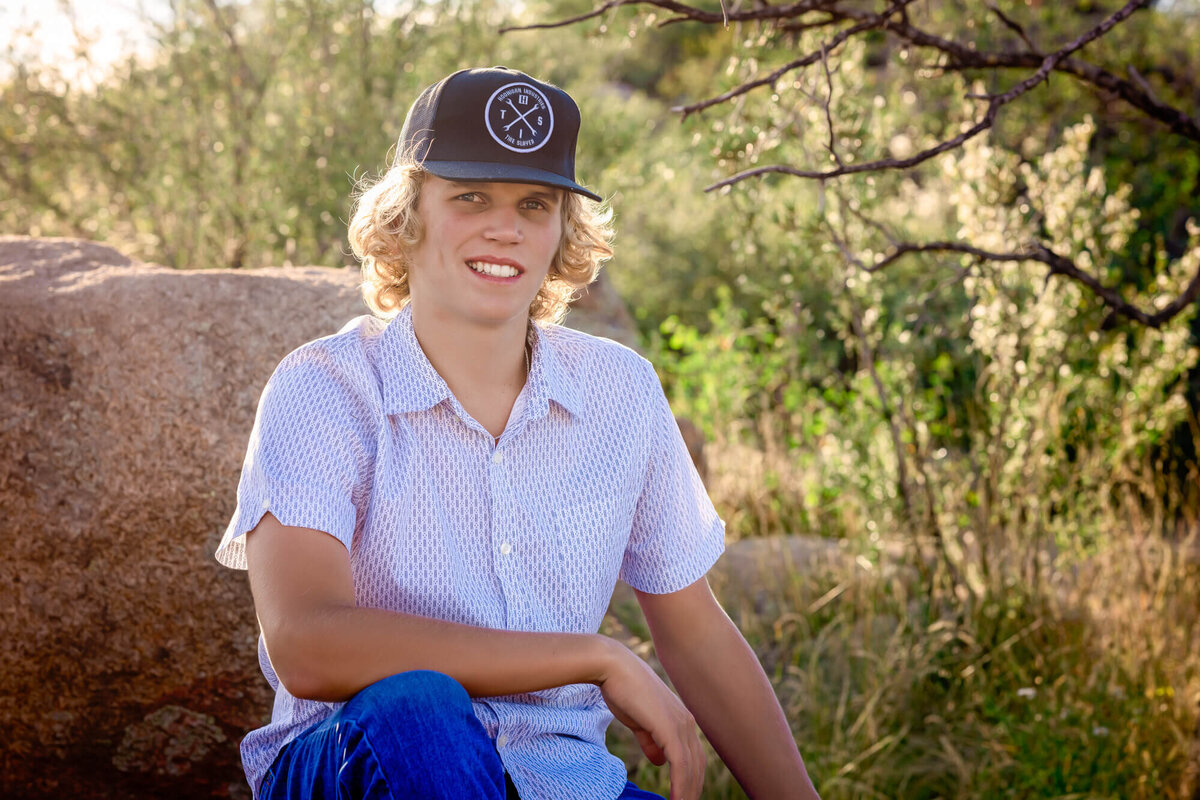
(496, 316)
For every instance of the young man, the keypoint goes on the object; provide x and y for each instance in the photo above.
(434, 510)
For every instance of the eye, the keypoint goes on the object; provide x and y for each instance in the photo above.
(534, 205)
(470, 197)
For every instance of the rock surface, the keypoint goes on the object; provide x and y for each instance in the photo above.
(128, 391)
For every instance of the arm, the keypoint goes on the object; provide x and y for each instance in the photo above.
(719, 678)
(324, 647)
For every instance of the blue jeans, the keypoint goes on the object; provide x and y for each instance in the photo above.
(413, 735)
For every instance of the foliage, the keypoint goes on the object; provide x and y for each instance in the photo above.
(992, 446)
(236, 143)
(992, 417)
(1077, 692)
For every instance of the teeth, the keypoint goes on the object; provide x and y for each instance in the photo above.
(496, 270)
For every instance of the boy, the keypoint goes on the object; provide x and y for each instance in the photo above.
(434, 510)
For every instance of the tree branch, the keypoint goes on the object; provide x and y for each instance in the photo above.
(693, 14)
(1059, 265)
(845, 20)
(562, 23)
(799, 63)
(1012, 25)
(995, 103)
(1139, 95)
(962, 57)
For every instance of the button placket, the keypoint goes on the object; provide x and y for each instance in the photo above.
(502, 510)
(496, 479)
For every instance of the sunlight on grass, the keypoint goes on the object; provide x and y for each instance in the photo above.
(1083, 684)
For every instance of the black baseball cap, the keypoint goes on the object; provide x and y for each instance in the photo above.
(495, 124)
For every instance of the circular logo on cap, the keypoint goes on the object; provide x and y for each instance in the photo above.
(518, 117)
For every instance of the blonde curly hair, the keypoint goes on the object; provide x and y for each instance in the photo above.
(385, 227)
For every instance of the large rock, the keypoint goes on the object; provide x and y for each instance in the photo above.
(128, 392)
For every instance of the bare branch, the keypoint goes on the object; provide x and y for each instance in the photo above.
(846, 20)
(1012, 25)
(873, 223)
(904, 248)
(828, 113)
(995, 103)
(1137, 95)
(595, 12)
(686, 12)
(866, 166)
(1059, 265)
(961, 56)
(799, 63)
(798, 27)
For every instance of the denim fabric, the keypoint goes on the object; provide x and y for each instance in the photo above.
(413, 735)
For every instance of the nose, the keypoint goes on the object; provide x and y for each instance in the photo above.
(504, 226)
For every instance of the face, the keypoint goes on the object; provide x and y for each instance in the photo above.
(486, 248)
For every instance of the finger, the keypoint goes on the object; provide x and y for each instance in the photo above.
(696, 755)
(650, 747)
(679, 789)
(687, 763)
(701, 761)
(683, 782)
(696, 762)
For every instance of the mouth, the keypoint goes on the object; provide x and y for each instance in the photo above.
(502, 268)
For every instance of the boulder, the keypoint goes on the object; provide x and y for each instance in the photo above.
(128, 392)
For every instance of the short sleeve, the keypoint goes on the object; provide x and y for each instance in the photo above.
(676, 534)
(307, 458)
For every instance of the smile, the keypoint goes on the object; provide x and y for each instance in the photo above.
(495, 270)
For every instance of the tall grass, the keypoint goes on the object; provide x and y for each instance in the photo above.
(1076, 680)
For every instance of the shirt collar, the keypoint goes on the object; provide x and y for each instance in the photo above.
(549, 379)
(410, 383)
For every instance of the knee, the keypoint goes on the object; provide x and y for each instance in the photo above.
(418, 692)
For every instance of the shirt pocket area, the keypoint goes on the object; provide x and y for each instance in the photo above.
(591, 533)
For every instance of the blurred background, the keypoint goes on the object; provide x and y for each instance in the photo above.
(1004, 458)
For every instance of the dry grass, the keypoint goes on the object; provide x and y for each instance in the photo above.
(1081, 680)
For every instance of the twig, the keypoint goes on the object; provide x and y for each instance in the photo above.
(799, 63)
(595, 12)
(829, 102)
(890, 414)
(1059, 265)
(1012, 25)
(686, 12)
(995, 103)
(959, 55)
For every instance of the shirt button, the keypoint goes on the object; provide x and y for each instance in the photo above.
(505, 548)
(502, 740)
(497, 457)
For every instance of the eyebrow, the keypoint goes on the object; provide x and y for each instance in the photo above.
(541, 194)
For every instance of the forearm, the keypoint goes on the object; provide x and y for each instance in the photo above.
(323, 646)
(333, 653)
(720, 680)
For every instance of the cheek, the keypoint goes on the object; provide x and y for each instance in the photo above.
(554, 238)
(443, 232)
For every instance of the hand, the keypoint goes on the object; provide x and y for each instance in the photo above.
(664, 727)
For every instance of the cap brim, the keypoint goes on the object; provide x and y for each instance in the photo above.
(503, 173)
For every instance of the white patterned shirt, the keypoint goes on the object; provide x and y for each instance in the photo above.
(357, 435)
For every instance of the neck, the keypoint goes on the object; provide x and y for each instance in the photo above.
(473, 359)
